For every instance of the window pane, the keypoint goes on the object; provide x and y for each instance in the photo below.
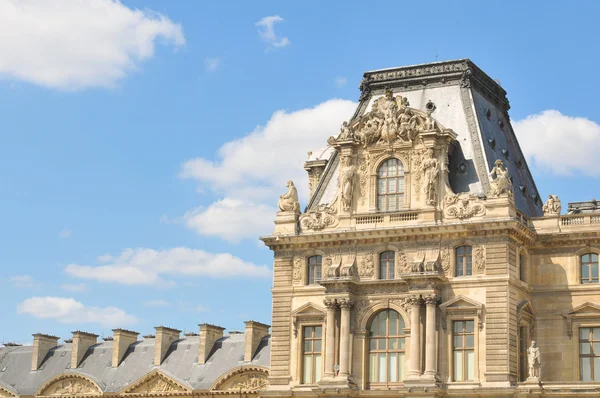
(594, 258)
(392, 185)
(401, 184)
(393, 344)
(382, 185)
(459, 266)
(458, 326)
(373, 344)
(595, 272)
(393, 367)
(585, 272)
(597, 369)
(372, 367)
(318, 272)
(470, 365)
(585, 258)
(318, 331)
(458, 341)
(317, 368)
(392, 203)
(584, 348)
(401, 360)
(383, 170)
(393, 323)
(391, 167)
(308, 331)
(317, 345)
(381, 345)
(596, 332)
(458, 366)
(307, 370)
(308, 346)
(470, 343)
(402, 344)
(584, 334)
(585, 369)
(381, 203)
(382, 367)
(382, 323)
(469, 270)
(470, 326)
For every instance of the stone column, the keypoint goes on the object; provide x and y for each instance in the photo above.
(431, 337)
(414, 370)
(345, 304)
(330, 337)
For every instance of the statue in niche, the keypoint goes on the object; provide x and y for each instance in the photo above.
(347, 182)
(552, 206)
(289, 200)
(500, 180)
(430, 169)
(389, 108)
(533, 359)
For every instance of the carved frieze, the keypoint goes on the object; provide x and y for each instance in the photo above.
(402, 266)
(479, 259)
(251, 383)
(297, 269)
(324, 216)
(366, 266)
(70, 385)
(462, 206)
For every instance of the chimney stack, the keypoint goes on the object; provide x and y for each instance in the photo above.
(122, 339)
(255, 331)
(163, 340)
(82, 341)
(42, 343)
(209, 334)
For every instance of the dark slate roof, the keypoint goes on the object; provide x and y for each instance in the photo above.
(181, 363)
(591, 206)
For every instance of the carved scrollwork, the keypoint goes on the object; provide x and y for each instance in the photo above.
(461, 206)
(324, 216)
(479, 259)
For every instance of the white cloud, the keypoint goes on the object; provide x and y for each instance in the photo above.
(252, 171)
(65, 233)
(148, 267)
(340, 81)
(157, 303)
(231, 219)
(74, 44)
(23, 281)
(187, 307)
(68, 310)
(266, 31)
(77, 288)
(558, 143)
(212, 64)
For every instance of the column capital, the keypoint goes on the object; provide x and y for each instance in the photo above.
(346, 303)
(414, 301)
(330, 304)
(431, 299)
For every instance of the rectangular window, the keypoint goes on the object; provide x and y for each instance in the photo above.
(589, 268)
(314, 269)
(464, 261)
(463, 350)
(312, 346)
(523, 353)
(522, 267)
(589, 354)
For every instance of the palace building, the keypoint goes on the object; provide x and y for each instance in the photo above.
(426, 264)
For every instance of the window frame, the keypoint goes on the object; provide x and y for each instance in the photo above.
(400, 201)
(523, 259)
(402, 334)
(463, 334)
(590, 265)
(523, 342)
(462, 264)
(314, 377)
(310, 266)
(390, 265)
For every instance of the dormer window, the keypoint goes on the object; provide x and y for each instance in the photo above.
(390, 185)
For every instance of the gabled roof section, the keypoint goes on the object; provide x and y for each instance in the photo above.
(586, 308)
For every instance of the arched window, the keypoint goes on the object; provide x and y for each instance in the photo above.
(589, 268)
(386, 265)
(314, 269)
(390, 185)
(386, 348)
(464, 261)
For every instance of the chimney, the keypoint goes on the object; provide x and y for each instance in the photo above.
(163, 340)
(209, 334)
(42, 343)
(255, 331)
(122, 339)
(82, 341)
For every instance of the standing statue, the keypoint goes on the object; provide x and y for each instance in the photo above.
(347, 182)
(430, 169)
(552, 206)
(345, 132)
(289, 200)
(533, 358)
(500, 180)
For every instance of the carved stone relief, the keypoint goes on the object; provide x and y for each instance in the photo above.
(297, 269)
(346, 183)
(248, 380)
(332, 266)
(402, 266)
(445, 259)
(363, 174)
(324, 216)
(417, 157)
(71, 386)
(252, 383)
(156, 384)
(462, 206)
(552, 207)
(479, 259)
(366, 266)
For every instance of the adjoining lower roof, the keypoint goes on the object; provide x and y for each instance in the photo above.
(181, 363)
(591, 206)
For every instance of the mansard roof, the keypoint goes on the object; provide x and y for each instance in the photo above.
(180, 365)
(467, 101)
(590, 206)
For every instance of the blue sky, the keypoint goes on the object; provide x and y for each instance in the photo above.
(144, 143)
